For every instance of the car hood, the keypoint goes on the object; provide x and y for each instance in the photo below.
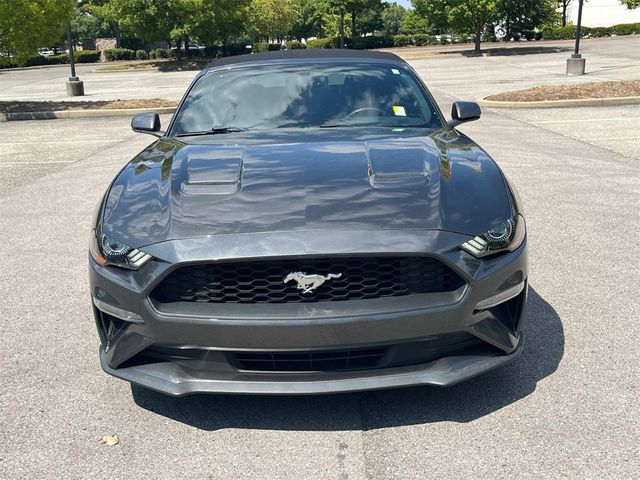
(323, 181)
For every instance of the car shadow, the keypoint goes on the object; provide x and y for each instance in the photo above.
(465, 402)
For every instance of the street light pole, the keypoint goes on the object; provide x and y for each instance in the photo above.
(576, 64)
(75, 88)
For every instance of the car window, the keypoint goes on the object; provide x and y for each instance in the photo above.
(307, 95)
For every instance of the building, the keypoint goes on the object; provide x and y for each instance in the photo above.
(602, 13)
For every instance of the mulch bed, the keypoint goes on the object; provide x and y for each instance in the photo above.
(20, 107)
(625, 88)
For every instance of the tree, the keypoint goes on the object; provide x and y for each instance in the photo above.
(339, 7)
(564, 4)
(273, 18)
(414, 23)
(473, 15)
(26, 25)
(310, 23)
(392, 17)
(520, 16)
(631, 4)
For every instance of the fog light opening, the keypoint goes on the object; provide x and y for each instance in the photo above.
(117, 312)
(501, 297)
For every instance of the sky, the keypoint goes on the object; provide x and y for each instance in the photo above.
(404, 3)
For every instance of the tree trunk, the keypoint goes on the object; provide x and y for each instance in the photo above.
(353, 24)
(116, 33)
(478, 36)
(341, 28)
(564, 13)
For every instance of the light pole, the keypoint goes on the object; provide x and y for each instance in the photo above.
(75, 88)
(576, 64)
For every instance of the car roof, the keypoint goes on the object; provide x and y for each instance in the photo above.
(311, 54)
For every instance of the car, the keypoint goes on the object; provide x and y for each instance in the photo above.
(309, 222)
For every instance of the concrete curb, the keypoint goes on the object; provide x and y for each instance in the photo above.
(586, 102)
(88, 113)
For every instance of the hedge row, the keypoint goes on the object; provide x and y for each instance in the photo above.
(266, 47)
(569, 32)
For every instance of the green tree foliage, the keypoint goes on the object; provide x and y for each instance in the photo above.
(310, 23)
(631, 4)
(392, 17)
(219, 21)
(26, 25)
(414, 24)
(273, 18)
(520, 16)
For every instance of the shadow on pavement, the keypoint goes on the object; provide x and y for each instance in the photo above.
(543, 350)
(508, 51)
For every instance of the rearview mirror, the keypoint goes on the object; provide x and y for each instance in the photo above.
(464, 112)
(146, 122)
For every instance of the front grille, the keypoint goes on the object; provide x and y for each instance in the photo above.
(310, 361)
(263, 281)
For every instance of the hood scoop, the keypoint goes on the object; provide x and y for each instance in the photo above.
(398, 164)
(213, 173)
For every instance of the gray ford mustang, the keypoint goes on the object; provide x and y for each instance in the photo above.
(308, 223)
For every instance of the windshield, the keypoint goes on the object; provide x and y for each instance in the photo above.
(305, 96)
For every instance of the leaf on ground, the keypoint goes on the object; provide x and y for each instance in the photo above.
(110, 440)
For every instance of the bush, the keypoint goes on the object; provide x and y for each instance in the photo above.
(87, 56)
(600, 32)
(402, 40)
(57, 59)
(266, 47)
(372, 41)
(626, 29)
(326, 42)
(114, 54)
(295, 45)
(564, 33)
(37, 60)
(421, 39)
(141, 55)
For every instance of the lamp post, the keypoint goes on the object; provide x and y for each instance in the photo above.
(75, 88)
(576, 64)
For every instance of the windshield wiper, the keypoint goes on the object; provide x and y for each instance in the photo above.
(336, 125)
(213, 131)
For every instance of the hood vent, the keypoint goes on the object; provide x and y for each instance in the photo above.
(398, 164)
(219, 175)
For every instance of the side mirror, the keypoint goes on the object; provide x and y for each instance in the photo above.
(146, 122)
(462, 112)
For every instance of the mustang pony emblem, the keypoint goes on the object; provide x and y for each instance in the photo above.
(308, 283)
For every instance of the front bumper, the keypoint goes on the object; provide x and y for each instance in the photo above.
(398, 321)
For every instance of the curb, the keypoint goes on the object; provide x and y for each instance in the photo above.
(584, 102)
(88, 113)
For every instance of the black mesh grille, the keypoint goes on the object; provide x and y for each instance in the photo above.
(263, 281)
(309, 361)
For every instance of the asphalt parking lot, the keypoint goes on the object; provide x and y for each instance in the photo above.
(567, 408)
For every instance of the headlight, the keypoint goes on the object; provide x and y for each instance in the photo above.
(505, 237)
(108, 251)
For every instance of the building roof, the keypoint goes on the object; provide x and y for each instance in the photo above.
(305, 54)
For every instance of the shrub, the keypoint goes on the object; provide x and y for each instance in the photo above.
(421, 39)
(402, 40)
(87, 56)
(600, 32)
(37, 60)
(295, 45)
(326, 42)
(626, 29)
(113, 54)
(564, 33)
(266, 47)
(58, 59)
(372, 41)
(141, 55)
